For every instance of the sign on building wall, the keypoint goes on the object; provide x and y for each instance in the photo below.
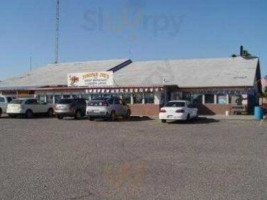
(90, 79)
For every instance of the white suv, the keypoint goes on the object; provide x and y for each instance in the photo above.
(107, 108)
(29, 108)
(3, 104)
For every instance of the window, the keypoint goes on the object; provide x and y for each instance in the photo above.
(149, 98)
(197, 99)
(96, 96)
(49, 99)
(236, 99)
(138, 98)
(175, 104)
(126, 98)
(31, 102)
(187, 96)
(2, 100)
(9, 99)
(41, 98)
(57, 98)
(209, 98)
(66, 96)
(117, 101)
(222, 99)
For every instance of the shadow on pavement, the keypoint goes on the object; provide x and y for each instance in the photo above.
(200, 120)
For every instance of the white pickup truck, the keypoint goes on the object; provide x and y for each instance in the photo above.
(3, 104)
(29, 108)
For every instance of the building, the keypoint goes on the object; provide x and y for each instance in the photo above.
(214, 85)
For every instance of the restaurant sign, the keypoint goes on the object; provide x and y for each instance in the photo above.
(90, 79)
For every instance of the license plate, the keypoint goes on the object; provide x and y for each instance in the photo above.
(169, 116)
(96, 111)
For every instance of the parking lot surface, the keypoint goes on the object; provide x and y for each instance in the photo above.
(137, 159)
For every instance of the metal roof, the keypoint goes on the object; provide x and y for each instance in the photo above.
(190, 73)
(56, 74)
(217, 72)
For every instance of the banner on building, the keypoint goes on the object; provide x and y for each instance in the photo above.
(90, 79)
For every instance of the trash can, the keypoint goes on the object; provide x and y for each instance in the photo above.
(258, 113)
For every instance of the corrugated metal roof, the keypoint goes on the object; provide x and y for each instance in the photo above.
(56, 74)
(218, 72)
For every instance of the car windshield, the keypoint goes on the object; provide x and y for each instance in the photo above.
(175, 104)
(65, 101)
(17, 101)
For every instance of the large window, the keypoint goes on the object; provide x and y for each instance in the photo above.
(222, 99)
(209, 98)
(57, 98)
(126, 98)
(149, 98)
(2, 100)
(236, 99)
(49, 99)
(197, 99)
(138, 98)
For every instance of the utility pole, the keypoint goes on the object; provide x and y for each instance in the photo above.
(57, 31)
(30, 64)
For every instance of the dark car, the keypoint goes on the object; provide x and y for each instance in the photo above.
(71, 108)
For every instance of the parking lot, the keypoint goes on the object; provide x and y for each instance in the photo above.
(137, 159)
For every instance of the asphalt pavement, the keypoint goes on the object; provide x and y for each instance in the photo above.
(208, 159)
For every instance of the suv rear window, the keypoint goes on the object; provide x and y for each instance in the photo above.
(175, 104)
(97, 103)
(65, 101)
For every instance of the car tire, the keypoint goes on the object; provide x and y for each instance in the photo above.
(78, 114)
(188, 117)
(112, 116)
(29, 114)
(1, 112)
(90, 118)
(163, 120)
(60, 116)
(128, 115)
(50, 113)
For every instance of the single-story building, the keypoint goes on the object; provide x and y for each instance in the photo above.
(214, 85)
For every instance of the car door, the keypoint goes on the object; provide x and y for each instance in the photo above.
(124, 107)
(192, 110)
(42, 107)
(30, 104)
(118, 106)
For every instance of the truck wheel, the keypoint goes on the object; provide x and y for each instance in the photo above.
(91, 118)
(0, 112)
(29, 114)
(50, 113)
(60, 116)
(78, 114)
(113, 116)
(188, 117)
(128, 115)
(163, 120)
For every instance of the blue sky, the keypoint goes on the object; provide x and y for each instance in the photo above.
(136, 29)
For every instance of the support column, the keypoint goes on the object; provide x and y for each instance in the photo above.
(227, 99)
(132, 99)
(143, 100)
(203, 99)
(215, 99)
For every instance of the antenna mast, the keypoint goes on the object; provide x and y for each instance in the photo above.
(57, 31)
